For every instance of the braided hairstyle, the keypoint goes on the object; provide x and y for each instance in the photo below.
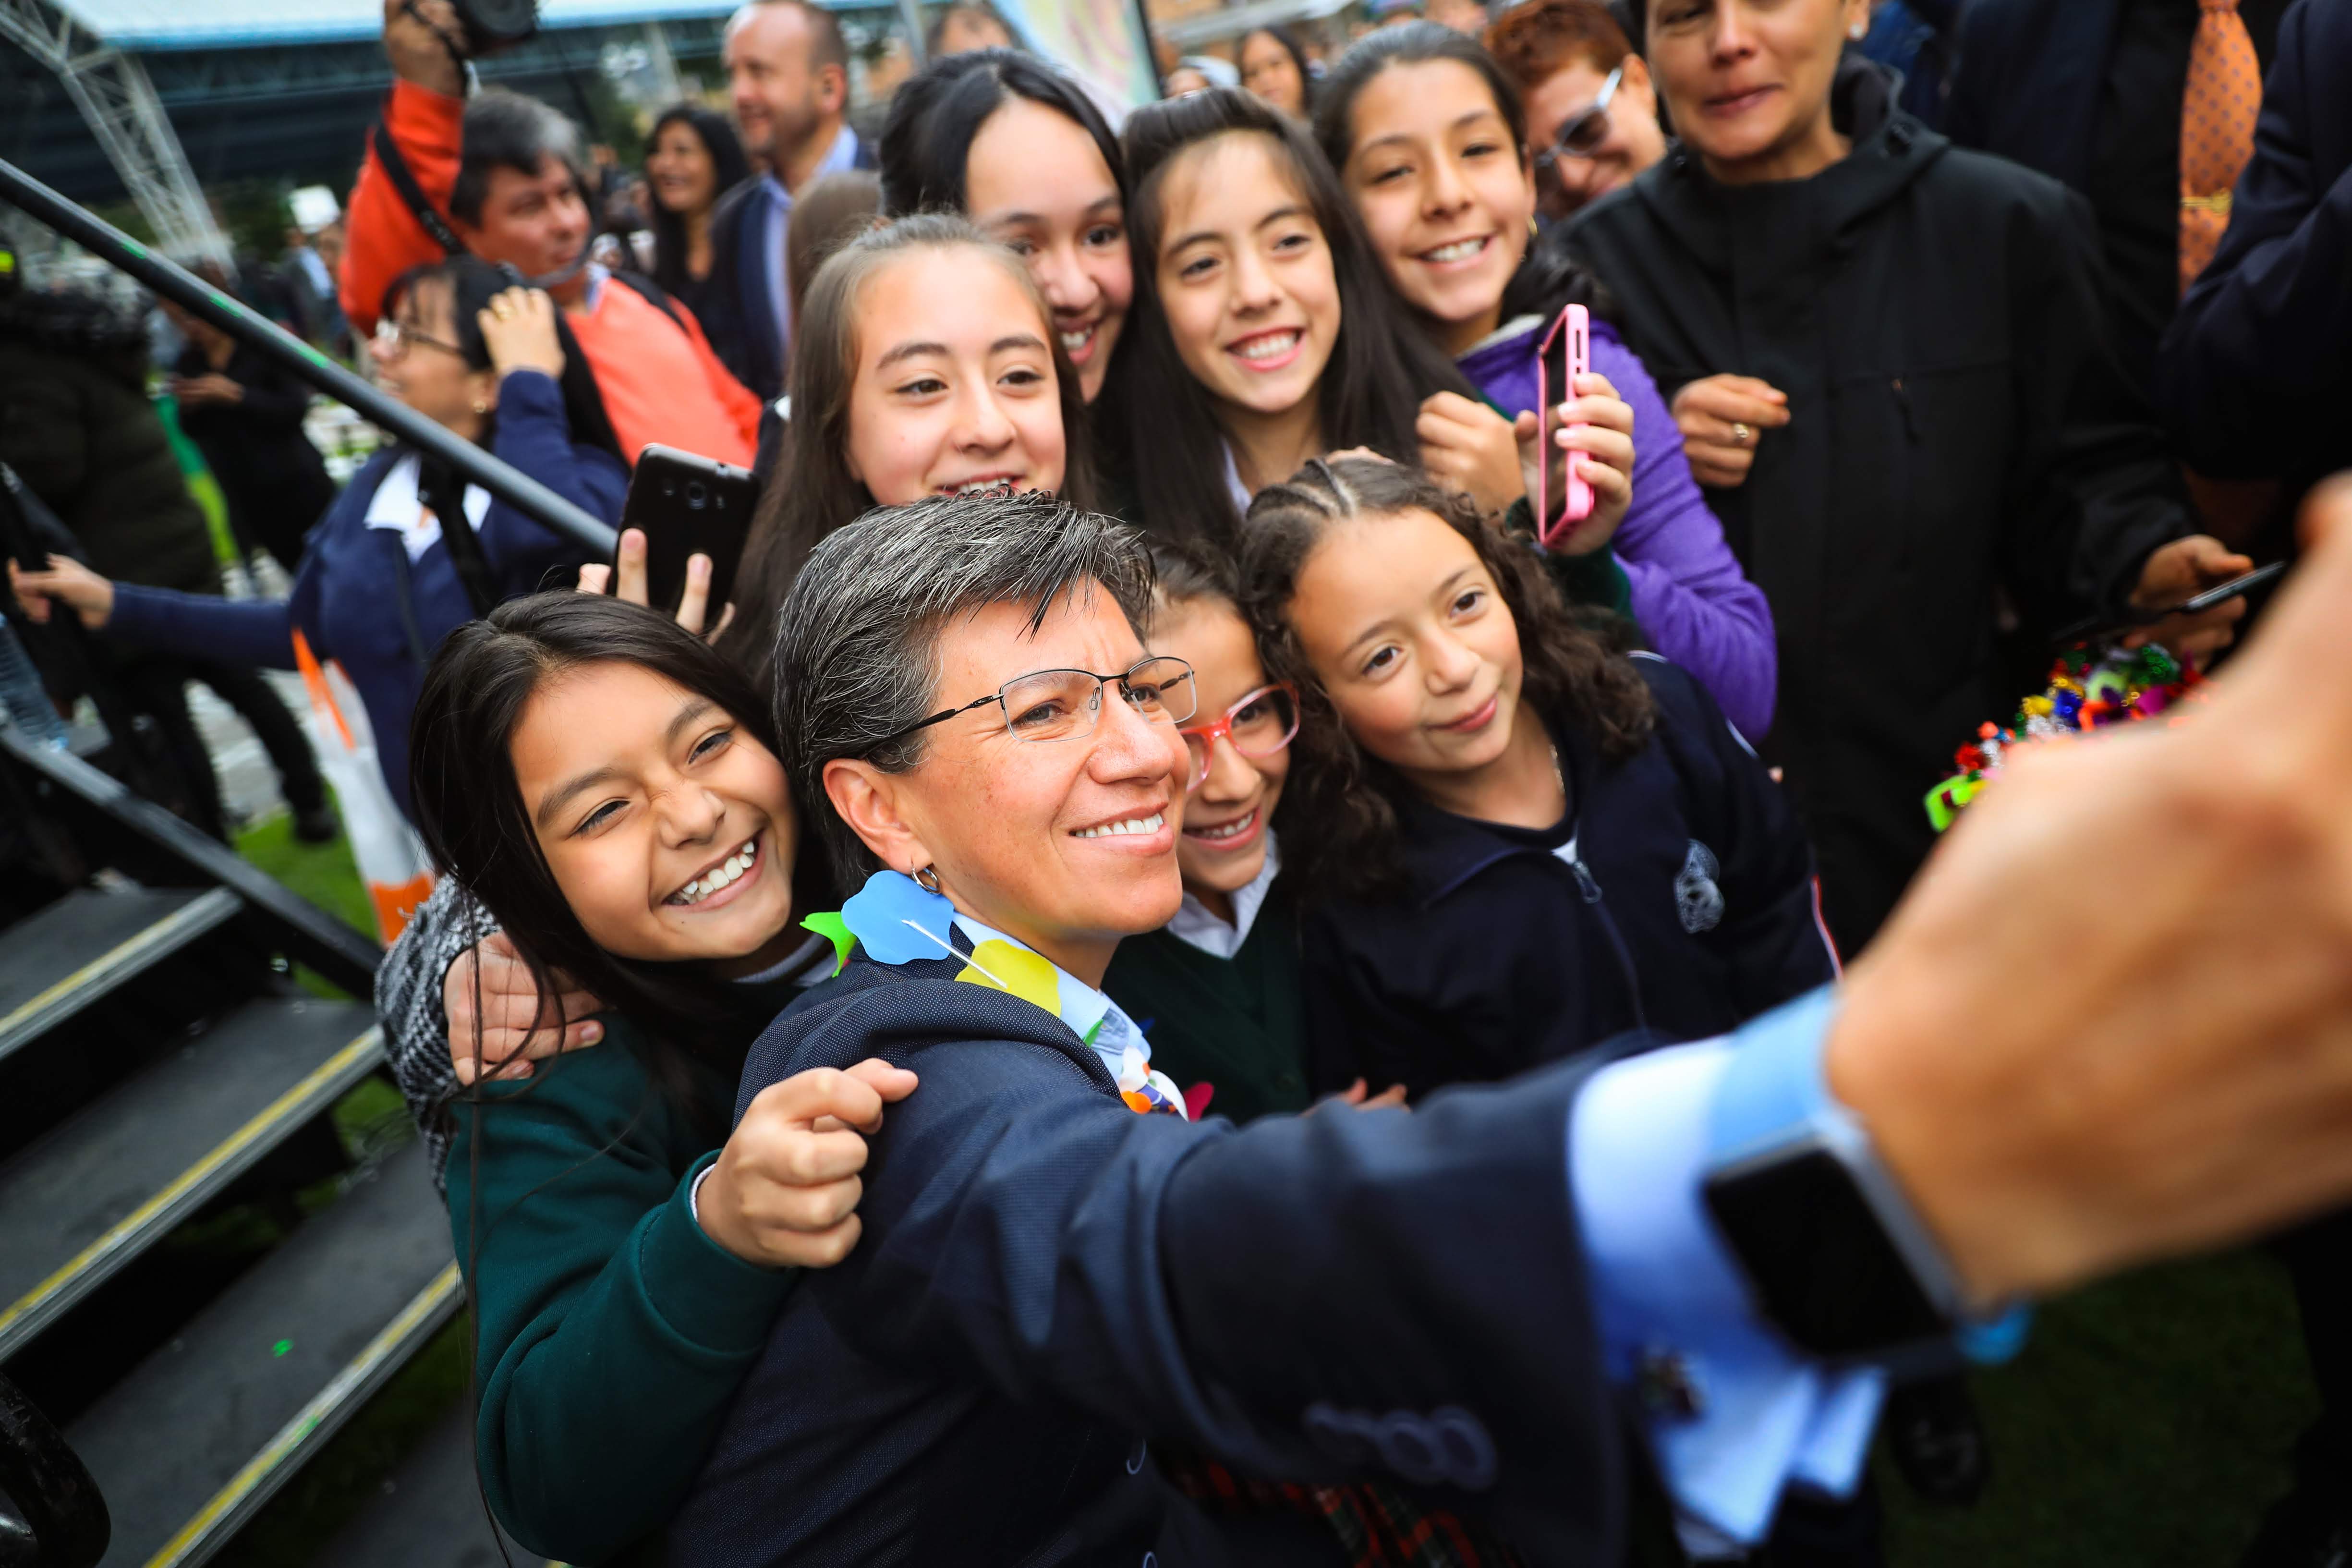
(1338, 818)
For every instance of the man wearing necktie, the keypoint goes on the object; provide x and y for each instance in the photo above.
(2147, 106)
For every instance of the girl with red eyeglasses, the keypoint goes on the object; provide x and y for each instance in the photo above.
(1216, 990)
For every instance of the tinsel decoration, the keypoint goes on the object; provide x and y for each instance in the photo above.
(2089, 690)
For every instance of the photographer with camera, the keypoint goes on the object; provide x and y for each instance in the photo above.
(503, 177)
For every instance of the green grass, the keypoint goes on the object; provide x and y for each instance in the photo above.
(2147, 1424)
(322, 873)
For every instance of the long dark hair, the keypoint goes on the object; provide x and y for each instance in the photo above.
(1338, 815)
(1379, 370)
(728, 168)
(1549, 277)
(469, 810)
(937, 111)
(925, 159)
(1310, 86)
(812, 491)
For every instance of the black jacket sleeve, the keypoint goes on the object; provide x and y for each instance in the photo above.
(1268, 1297)
(2253, 377)
(2093, 490)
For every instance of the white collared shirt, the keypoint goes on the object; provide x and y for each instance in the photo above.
(397, 506)
(839, 158)
(1194, 925)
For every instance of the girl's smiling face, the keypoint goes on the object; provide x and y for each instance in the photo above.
(669, 830)
(1244, 275)
(1409, 637)
(1445, 191)
(1037, 181)
(955, 384)
(1222, 847)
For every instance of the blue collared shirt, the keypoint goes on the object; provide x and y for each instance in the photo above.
(1762, 1416)
(840, 157)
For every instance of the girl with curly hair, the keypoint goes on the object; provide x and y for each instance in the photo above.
(1511, 840)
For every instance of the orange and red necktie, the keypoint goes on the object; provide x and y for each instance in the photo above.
(2217, 128)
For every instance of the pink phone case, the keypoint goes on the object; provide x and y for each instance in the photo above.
(1576, 321)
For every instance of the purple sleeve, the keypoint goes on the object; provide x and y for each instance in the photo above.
(1689, 595)
(253, 632)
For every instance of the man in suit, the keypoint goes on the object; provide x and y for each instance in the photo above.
(2091, 93)
(788, 69)
(1480, 1299)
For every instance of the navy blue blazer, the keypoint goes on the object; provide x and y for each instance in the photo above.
(1690, 909)
(740, 316)
(1048, 1284)
(2255, 374)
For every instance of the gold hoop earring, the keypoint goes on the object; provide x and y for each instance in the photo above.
(481, 405)
(930, 887)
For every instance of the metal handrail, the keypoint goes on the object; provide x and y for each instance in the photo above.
(191, 293)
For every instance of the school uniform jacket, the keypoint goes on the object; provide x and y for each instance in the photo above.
(1677, 900)
(1049, 1285)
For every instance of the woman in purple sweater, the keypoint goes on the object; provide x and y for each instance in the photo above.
(1428, 136)
(378, 587)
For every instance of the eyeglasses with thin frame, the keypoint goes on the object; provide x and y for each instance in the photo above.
(394, 339)
(1065, 704)
(1259, 725)
(1582, 134)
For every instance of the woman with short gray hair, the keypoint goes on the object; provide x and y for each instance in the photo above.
(1046, 1277)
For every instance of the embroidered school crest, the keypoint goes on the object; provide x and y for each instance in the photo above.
(1697, 899)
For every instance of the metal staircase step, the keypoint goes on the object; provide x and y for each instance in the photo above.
(67, 955)
(89, 1196)
(431, 1511)
(192, 1443)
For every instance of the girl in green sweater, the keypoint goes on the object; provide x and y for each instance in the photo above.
(607, 787)
(1215, 991)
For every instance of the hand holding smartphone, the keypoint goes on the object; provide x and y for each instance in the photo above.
(1573, 333)
(687, 505)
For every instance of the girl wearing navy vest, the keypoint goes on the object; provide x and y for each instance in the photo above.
(1429, 139)
(1216, 989)
(1511, 841)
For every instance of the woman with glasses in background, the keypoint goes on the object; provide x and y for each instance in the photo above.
(1593, 115)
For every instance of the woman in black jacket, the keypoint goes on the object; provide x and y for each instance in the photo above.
(1890, 363)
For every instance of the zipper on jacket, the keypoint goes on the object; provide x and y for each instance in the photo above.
(1903, 404)
(1589, 886)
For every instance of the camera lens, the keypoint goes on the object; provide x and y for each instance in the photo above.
(696, 495)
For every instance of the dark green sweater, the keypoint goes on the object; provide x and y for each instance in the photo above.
(1232, 1023)
(612, 1332)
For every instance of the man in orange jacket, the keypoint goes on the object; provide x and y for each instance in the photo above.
(502, 174)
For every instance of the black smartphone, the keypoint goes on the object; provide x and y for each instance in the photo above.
(2220, 594)
(689, 505)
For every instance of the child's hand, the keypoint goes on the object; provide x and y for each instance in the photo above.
(693, 605)
(70, 584)
(1470, 447)
(784, 1192)
(1602, 450)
